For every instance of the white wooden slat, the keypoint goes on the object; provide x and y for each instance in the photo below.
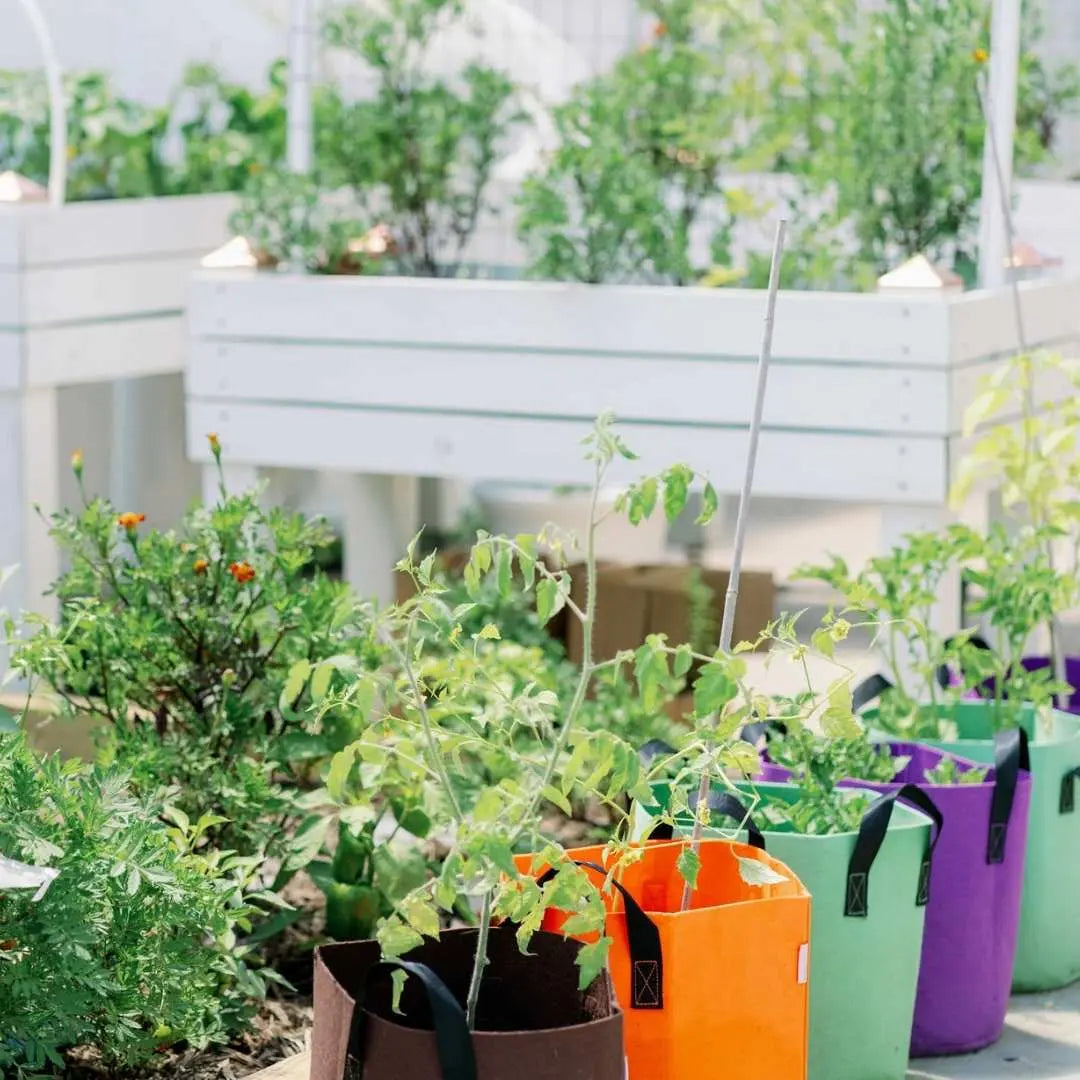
(544, 316)
(10, 307)
(810, 396)
(105, 290)
(125, 229)
(95, 352)
(1048, 217)
(983, 323)
(10, 235)
(791, 464)
(11, 344)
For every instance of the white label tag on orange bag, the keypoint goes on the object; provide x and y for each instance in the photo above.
(804, 963)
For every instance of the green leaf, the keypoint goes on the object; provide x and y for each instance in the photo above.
(684, 660)
(398, 978)
(550, 598)
(421, 915)
(306, 843)
(397, 938)
(676, 490)
(709, 504)
(416, 822)
(591, 960)
(340, 769)
(504, 574)
(755, 872)
(489, 633)
(689, 866)
(488, 806)
(134, 878)
(714, 688)
(554, 795)
(294, 683)
(527, 558)
(320, 681)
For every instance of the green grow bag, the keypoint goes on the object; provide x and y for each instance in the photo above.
(1048, 948)
(866, 935)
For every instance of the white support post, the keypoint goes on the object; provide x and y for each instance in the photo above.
(300, 140)
(380, 518)
(999, 97)
(29, 477)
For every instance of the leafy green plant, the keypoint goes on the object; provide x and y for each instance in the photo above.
(947, 772)
(286, 219)
(420, 153)
(640, 156)
(427, 733)
(906, 97)
(134, 945)
(195, 647)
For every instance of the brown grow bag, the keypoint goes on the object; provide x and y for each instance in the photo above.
(532, 1021)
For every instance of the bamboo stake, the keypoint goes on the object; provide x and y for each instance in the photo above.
(731, 599)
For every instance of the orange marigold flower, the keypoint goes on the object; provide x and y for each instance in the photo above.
(77, 463)
(660, 29)
(242, 572)
(215, 444)
(980, 56)
(200, 565)
(130, 520)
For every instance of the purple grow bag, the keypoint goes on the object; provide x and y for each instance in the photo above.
(971, 921)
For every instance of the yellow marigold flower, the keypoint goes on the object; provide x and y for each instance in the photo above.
(200, 566)
(77, 463)
(980, 56)
(215, 444)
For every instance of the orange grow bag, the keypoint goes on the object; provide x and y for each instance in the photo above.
(719, 990)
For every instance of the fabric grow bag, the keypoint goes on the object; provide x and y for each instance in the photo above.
(972, 920)
(869, 893)
(1048, 943)
(719, 990)
(533, 1022)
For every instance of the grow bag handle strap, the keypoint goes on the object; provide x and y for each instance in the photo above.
(875, 824)
(725, 804)
(869, 690)
(456, 1056)
(1011, 754)
(762, 729)
(646, 953)
(653, 749)
(1067, 803)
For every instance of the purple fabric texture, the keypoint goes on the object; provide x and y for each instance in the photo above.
(1033, 663)
(969, 944)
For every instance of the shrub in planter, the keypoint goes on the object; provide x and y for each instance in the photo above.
(133, 946)
(1021, 590)
(867, 883)
(973, 913)
(440, 727)
(196, 647)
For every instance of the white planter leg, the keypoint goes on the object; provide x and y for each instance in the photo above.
(29, 476)
(380, 517)
(238, 479)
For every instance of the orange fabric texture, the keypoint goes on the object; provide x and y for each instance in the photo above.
(735, 990)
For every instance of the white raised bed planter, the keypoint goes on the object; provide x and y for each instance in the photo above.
(500, 380)
(89, 293)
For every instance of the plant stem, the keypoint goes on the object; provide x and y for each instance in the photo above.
(479, 963)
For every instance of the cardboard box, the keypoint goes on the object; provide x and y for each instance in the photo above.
(633, 602)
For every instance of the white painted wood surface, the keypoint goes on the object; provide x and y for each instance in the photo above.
(496, 380)
(89, 293)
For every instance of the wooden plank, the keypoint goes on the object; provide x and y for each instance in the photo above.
(800, 464)
(125, 229)
(105, 290)
(11, 364)
(10, 305)
(1048, 217)
(101, 351)
(808, 396)
(543, 316)
(10, 237)
(983, 323)
(296, 1068)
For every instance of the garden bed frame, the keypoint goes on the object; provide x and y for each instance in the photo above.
(497, 380)
(89, 293)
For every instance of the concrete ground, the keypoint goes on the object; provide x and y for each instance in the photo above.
(1041, 1040)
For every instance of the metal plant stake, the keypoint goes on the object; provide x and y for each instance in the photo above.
(732, 596)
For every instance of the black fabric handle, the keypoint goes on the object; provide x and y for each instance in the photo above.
(1011, 754)
(452, 1037)
(762, 729)
(1067, 803)
(875, 824)
(725, 804)
(646, 954)
(653, 749)
(869, 690)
